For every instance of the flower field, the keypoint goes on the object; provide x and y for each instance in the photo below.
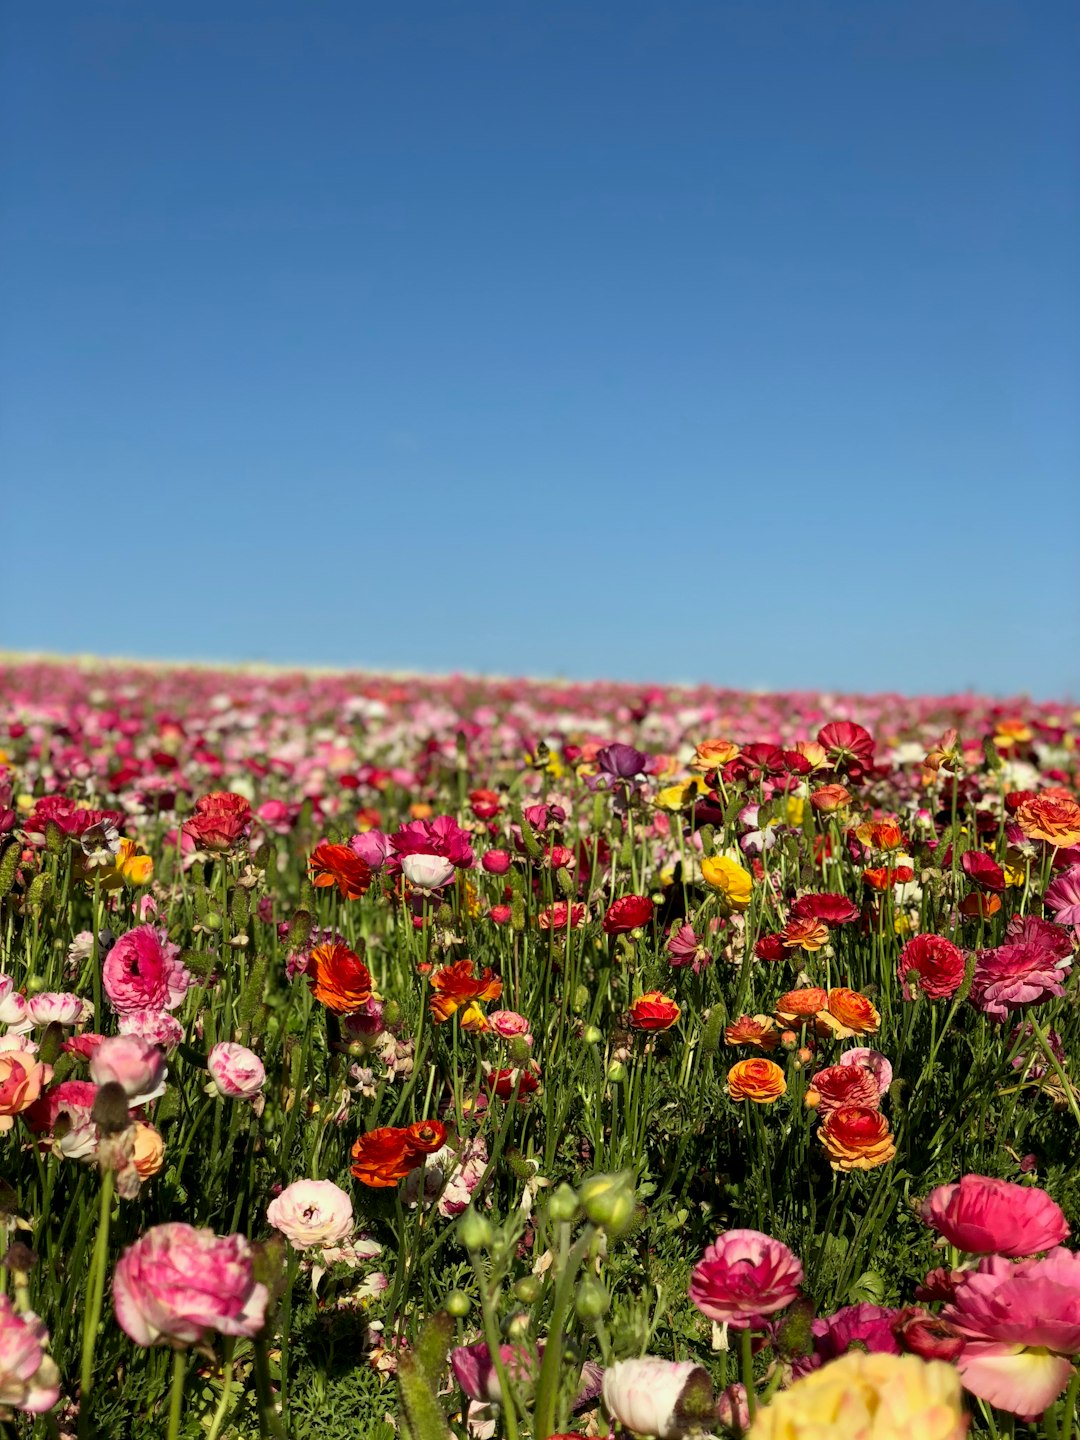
(496, 1058)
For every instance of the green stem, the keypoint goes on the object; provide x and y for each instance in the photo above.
(746, 1358)
(547, 1386)
(176, 1394)
(226, 1392)
(95, 1293)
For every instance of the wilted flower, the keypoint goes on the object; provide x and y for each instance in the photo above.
(29, 1379)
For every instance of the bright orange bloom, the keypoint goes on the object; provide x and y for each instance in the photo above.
(850, 1013)
(974, 905)
(455, 985)
(1054, 818)
(829, 798)
(882, 877)
(339, 978)
(711, 754)
(805, 934)
(856, 1138)
(654, 1011)
(426, 1136)
(759, 1080)
(382, 1158)
(753, 1030)
(338, 865)
(880, 834)
(799, 1005)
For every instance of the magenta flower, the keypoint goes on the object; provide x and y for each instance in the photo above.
(474, 1369)
(176, 1285)
(1063, 897)
(372, 846)
(1027, 969)
(869, 1327)
(1021, 1326)
(142, 971)
(744, 1276)
(442, 836)
(684, 948)
(984, 1216)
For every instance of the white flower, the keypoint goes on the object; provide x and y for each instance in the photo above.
(311, 1212)
(662, 1398)
(427, 872)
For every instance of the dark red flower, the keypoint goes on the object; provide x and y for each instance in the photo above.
(627, 913)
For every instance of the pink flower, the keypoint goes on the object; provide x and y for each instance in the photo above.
(1019, 973)
(50, 1008)
(372, 846)
(237, 1072)
(442, 836)
(982, 1215)
(744, 1276)
(157, 1026)
(684, 948)
(142, 971)
(449, 1177)
(837, 1086)
(508, 1024)
(72, 1101)
(311, 1212)
(475, 1372)
(1021, 1324)
(132, 1063)
(868, 1327)
(1062, 895)
(29, 1379)
(176, 1285)
(878, 1065)
(21, 1080)
(496, 862)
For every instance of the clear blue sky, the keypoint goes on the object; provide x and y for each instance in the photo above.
(727, 341)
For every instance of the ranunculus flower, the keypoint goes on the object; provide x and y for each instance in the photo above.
(559, 916)
(157, 1026)
(384, 1157)
(236, 1071)
(728, 879)
(926, 1335)
(627, 913)
(938, 965)
(753, 1030)
(29, 1379)
(372, 847)
(441, 836)
(983, 869)
(829, 798)
(848, 745)
(868, 1397)
(654, 1011)
(495, 862)
(143, 971)
(849, 1013)
(878, 1065)
(475, 1372)
(427, 872)
(311, 1212)
(1021, 1325)
(177, 1285)
(133, 1063)
(453, 986)
(21, 1077)
(1053, 818)
(985, 1216)
(838, 1085)
(509, 1025)
(449, 1177)
(865, 1326)
(339, 979)
(744, 1276)
(341, 866)
(799, 1006)
(759, 1080)
(684, 948)
(856, 1137)
(14, 1007)
(621, 762)
(71, 1101)
(1023, 971)
(828, 908)
(804, 933)
(51, 1008)
(147, 1150)
(220, 820)
(663, 1398)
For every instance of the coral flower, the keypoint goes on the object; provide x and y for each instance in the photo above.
(383, 1158)
(880, 834)
(984, 1216)
(847, 744)
(856, 1137)
(711, 754)
(339, 865)
(628, 913)
(865, 1396)
(937, 963)
(21, 1077)
(455, 985)
(559, 916)
(654, 1011)
(1021, 1324)
(827, 799)
(838, 1086)
(729, 879)
(753, 1030)
(805, 934)
(884, 877)
(799, 1006)
(759, 1080)
(339, 979)
(1053, 818)
(850, 1013)
(743, 1277)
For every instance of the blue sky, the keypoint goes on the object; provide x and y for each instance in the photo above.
(729, 342)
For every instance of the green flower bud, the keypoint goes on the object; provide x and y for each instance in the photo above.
(474, 1231)
(593, 1036)
(617, 1073)
(458, 1304)
(592, 1299)
(610, 1200)
(528, 1289)
(564, 1204)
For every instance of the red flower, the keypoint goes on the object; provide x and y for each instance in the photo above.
(771, 947)
(849, 746)
(627, 913)
(654, 1011)
(983, 870)
(501, 1083)
(221, 819)
(938, 965)
(883, 877)
(339, 978)
(830, 909)
(340, 866)
(554, 917)
(485, 804)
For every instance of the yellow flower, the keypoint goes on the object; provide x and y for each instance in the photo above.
(677, 797)
(729, 878)
(868, 1397)
(795, 807)
(128, 867)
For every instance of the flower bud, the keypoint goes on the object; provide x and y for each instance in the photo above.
(528, 1289)
(592, 1035)
(610, 1200)
(458, 1304)
(474, 1231)
(564, 1204)
(110, 1109)
(517, 1328)
(616, 1073)
(592, 1300)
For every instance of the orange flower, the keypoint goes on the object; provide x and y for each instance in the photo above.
(882, 877)
(753, 1030)
(711, 754)
(805, 934)
(880, 834)
(455, 985)
(759, 1080)
(382, 1158)
(426, 1136)
(799, 1005)
(829, 798)
(22, 1076)
(339, 978)
(654, 1011)
(856, 1138)
(1054, 818)
(148, 1153)
(850, 1013)
(338, 865)
(974, 905)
